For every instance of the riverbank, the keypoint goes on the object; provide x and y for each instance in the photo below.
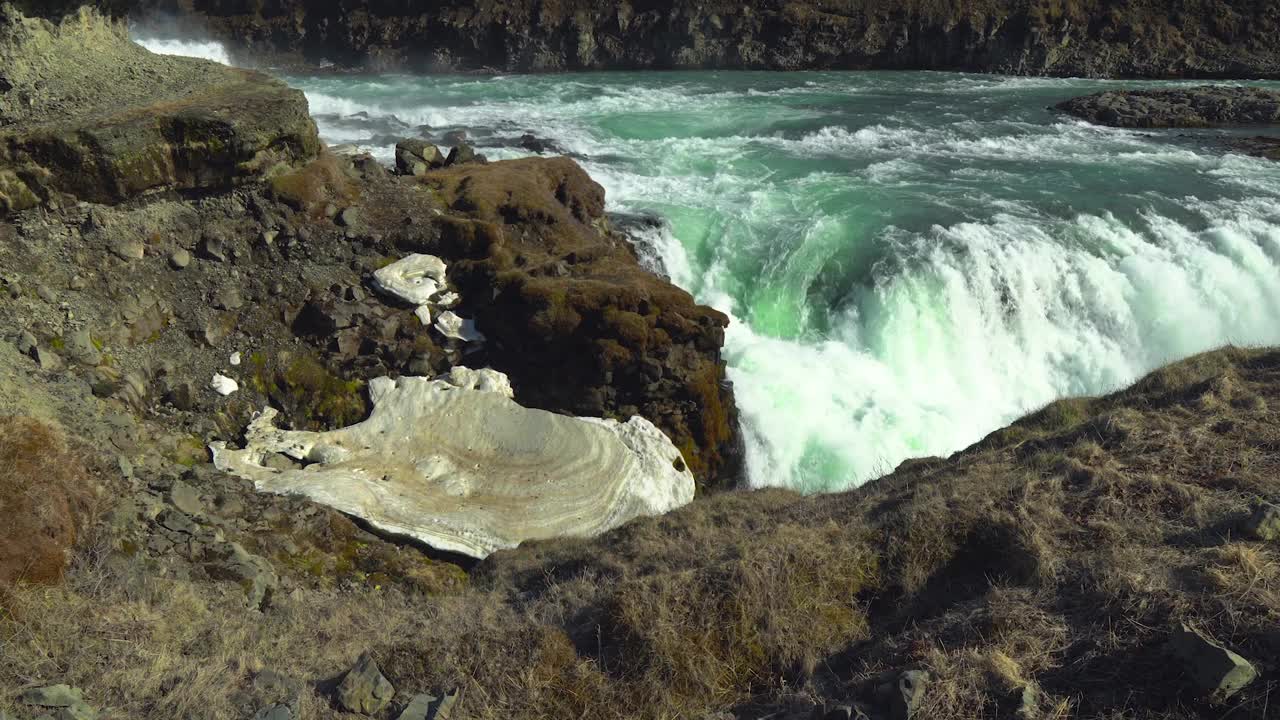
(149, 319)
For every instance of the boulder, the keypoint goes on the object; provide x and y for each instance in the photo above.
(417, 157)
(458, 465)
(464, 154)
(1214, 671)
(908, 694)
(113, 124)
(364, 690)
(1264, 523)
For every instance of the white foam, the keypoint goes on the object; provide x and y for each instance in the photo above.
(863, 334)
(205, 49)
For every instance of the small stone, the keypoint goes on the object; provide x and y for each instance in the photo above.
(26, 343)
(1215, 671)
(424, 315)
(213, 247)
(179, 259)
(78, 283)
(268, 237)
(364, 689)
(81, 348)
(457, 328)
(46, 293)
(1264, 523)
(274, 712)
(228, 298)
(185, 498)
(349, 218)
(79, 711)
(235, 359)
(223, 385)
(53, 696)
(129, 249)
(429, 707)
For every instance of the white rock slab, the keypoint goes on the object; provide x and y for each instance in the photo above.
(459, 465)
(414, 279)
(424, 315)
(223, 385)
(452, 326)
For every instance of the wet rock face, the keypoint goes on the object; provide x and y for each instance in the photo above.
(130, 122)
(1127, 37)
(571, 316)
(1205, 106)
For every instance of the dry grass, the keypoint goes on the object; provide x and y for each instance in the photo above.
(1036, 575)
(46, 495)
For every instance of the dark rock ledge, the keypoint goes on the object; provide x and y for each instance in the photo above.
(1197, 107)
(180, 166)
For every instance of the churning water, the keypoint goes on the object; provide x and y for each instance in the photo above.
(911, 260)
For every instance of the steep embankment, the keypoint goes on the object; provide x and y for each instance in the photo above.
(1191, 38)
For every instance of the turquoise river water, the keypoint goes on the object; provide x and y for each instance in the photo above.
(910, 260)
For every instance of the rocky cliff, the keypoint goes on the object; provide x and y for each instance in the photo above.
(87, 115)
(1191, 38)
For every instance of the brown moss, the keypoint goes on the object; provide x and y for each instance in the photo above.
(324, 180)
(45, 493)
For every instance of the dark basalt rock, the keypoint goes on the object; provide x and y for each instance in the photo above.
(1201, 38)
(571, 315)
(1205, 106)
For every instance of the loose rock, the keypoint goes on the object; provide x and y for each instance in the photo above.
(179, 259)
(364, 689)
(909, 694)
(1264, 523)
(223, 385)
(1214, 671)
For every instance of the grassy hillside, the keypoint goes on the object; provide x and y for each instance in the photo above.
(1041, 573)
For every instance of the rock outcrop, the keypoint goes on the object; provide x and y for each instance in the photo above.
(458, 465)
(87, 115)
(1205, 106)
(570, 315)
(1200, 38)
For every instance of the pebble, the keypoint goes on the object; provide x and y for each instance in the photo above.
(179, 259)
(234, 359)
(129, 250)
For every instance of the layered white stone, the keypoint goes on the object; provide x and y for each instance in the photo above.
(450, 325)
(414, 279)
(457, 464)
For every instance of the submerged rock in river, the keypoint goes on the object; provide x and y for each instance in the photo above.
(1203, 106)
(457, 464)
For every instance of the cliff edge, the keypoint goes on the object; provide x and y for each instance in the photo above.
(1093, 38)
